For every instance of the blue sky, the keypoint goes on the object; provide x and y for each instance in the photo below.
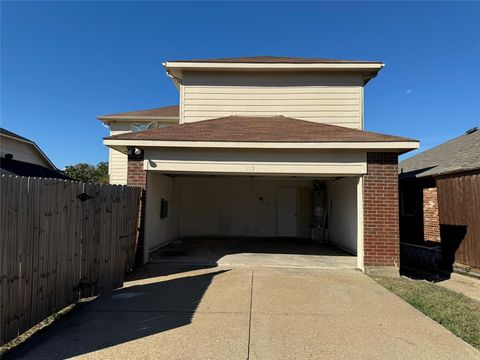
(63, 63)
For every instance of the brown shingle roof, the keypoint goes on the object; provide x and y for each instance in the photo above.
(167, 111)
(258, 129)
(275, 59)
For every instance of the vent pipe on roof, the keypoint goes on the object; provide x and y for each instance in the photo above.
(472, 130)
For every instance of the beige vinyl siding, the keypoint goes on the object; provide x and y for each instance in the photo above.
(22, 151)
(117, 164)
(327, 98)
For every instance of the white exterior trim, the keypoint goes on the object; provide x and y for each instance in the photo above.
(255, 168)
(358, 66)
(360, 250)
(362, 105)
(404, 145)
(264, 162)
(165, 119)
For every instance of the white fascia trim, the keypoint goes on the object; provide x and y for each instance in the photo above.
(166, 119)
(273, 66)
(405, 145)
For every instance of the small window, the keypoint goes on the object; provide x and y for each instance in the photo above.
(163, 209)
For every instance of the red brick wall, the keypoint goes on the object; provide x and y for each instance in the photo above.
(380, 188)
(136, 176)
(431, 222)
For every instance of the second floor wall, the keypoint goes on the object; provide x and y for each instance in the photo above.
(332, 98)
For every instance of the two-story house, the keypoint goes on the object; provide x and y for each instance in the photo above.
(264, 147)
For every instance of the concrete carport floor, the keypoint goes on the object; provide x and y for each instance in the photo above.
(182, 312)
(275, 252)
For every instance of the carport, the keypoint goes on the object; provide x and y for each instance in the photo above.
(262, 179)
(271, 220)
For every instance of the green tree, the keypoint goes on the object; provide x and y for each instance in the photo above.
(102, 172)
(88, 173)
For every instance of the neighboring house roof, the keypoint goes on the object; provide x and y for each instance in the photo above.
(12, 135)
(275, 60)
(258, 129)
(171, 111)
(21, 168)
(457, 155)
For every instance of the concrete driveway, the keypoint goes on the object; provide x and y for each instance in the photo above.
(167, 312)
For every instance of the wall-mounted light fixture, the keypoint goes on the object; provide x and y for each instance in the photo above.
(134, 151)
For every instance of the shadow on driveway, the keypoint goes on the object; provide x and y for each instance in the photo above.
(126, 314)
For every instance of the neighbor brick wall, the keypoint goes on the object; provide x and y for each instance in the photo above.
(431, 222)
(136, 176)
(381, 233)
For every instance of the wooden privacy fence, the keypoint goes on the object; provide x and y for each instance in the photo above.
(61, 241)
(459, 213)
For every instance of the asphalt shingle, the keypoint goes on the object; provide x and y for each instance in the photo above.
(457, 155)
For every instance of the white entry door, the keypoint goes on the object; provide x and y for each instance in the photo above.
(287, 212)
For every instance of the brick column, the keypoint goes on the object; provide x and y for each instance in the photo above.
(381, 232)
(431, 222)
(136, 176)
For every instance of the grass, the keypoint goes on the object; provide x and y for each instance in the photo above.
(456, 312)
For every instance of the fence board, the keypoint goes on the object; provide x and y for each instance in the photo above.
(26, 255)
(56, 248)
(87, 244)
(14, 268)
(3, 259)
(34, 231)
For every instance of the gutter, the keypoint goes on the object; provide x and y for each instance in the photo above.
(274, 66)
(166, 119)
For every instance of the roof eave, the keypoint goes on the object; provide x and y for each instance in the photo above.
(175, 69)
(434, 175)
(393, 146)
(112, 118)
(357, 66)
